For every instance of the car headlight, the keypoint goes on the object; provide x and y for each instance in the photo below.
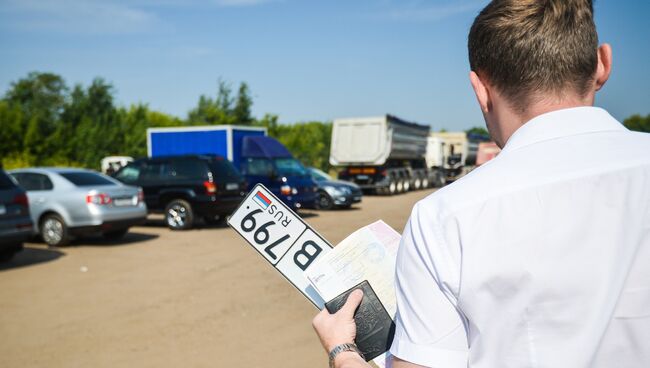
(336, 191)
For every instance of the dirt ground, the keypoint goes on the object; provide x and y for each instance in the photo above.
(199, 298)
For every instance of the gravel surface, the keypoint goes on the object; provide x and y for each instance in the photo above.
(157, 298)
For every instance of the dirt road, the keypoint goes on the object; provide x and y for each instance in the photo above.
(200, 298)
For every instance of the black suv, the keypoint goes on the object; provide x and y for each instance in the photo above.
(185, 188)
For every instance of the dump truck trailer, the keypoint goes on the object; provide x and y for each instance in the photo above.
(384, 154)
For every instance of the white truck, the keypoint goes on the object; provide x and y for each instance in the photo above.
(384, 154)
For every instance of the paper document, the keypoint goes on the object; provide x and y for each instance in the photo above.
(367, 254)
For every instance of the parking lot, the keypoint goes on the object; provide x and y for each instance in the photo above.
(158, 298)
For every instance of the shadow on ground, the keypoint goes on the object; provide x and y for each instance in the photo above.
(31, 256)
(130, 238)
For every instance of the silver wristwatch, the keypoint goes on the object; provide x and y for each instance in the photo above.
(338, 349)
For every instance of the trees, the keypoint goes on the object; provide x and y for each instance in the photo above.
(223, 109)
(638, 123)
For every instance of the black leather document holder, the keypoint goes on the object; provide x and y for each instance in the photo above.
(375, 327)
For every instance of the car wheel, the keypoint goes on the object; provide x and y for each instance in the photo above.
(179, 215)
(325, 201)
(54, 231)
(115, 234)
(400, 186)
(407, 185)
(425, 182)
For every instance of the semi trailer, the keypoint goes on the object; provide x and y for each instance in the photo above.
(384, 154)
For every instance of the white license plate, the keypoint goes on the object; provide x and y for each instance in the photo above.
(3, 209)
(357, 198)
(281, 237)
(123, 202)
(362, 177)
(232, 186)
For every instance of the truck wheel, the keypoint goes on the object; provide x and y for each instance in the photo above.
(400, 186)
(417, 185)
(392, 187)
(179, 215)
(425, 182)
(54, 231)
(407, 185)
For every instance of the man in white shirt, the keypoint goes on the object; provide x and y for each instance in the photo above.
(541, 257)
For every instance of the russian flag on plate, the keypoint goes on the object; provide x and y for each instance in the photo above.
(262, 200)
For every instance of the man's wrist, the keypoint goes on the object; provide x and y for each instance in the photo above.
(348, 359)
(342, 353)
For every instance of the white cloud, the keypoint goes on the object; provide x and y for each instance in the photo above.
(77, 16)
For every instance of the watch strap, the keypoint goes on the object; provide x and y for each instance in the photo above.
(338, 349)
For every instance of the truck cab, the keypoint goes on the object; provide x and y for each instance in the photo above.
(265, 160)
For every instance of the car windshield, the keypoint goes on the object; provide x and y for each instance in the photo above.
(86, 179)
(289, 167)
(319, 175)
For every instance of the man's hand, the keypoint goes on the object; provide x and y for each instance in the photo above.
(338, 328)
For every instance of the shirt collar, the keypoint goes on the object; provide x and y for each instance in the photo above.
(562, 123)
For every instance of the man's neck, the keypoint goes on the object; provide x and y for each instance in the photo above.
(513, 121)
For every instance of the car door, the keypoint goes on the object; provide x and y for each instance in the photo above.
(39, 189)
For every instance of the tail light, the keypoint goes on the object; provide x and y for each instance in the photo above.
(21, 199)
(384, 172)
(99, 199)
(210, 187)
(140, 195)
(285, 190)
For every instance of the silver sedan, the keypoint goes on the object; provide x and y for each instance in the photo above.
(68, 202)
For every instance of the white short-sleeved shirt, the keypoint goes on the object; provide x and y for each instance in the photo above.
(539, 258)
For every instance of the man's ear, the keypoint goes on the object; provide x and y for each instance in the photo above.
(604, 67)
(481, 92)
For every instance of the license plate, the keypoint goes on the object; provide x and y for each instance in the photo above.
(232, 186)
(123, 202)
(357, 198)
(3, 209)
(362, 177)
(281, 237)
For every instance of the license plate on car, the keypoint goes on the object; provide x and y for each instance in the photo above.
(362, 177)
(232, 186)
(3, 209)
(123, 202)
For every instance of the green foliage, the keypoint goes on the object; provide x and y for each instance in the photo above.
(638, 123)
(45, 123)
(478, 130)
(223, 109)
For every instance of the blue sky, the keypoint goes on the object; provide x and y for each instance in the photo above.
(303, 60)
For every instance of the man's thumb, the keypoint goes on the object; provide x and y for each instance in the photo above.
(351, 305)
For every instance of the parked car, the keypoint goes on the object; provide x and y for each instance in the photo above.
(187, 187)
(111, 164)
(15, 223)
(334, 193)
(67, 202)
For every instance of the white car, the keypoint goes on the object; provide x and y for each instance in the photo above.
(67, 202)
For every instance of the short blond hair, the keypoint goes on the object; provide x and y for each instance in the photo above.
(528, 48)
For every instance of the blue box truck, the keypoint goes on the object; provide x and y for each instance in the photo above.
(259, 158)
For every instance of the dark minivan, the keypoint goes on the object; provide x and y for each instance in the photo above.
(186, 188)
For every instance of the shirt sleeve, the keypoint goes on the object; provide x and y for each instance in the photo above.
(429, 329)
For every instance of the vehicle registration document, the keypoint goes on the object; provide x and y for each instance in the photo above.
(367, 254)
